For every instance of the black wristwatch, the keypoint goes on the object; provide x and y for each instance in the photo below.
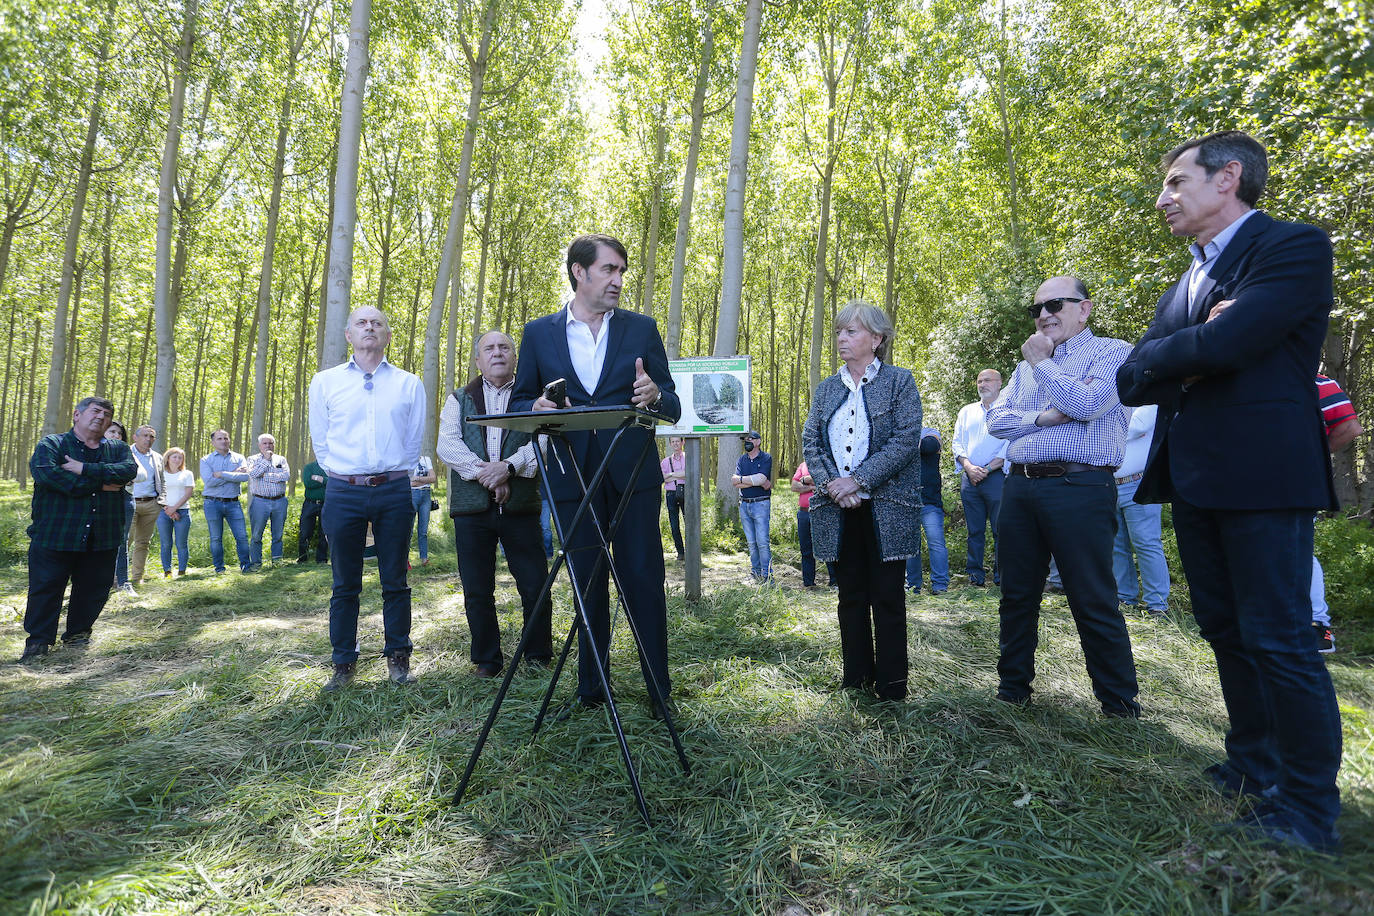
(512, 468)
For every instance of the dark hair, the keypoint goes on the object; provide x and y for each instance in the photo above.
(123, 433)
(216, 432)
(1217, 149)
(582, 250)
(1080, 288)
(94, 401)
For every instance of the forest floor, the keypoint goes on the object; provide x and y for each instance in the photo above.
(187, 762)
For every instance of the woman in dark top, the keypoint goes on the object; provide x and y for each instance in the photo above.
(121, 579)
(861, 445)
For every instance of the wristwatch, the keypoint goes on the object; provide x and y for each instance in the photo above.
(512, 468)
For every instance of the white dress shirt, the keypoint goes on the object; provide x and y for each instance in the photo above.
(366, 423)
(972, 440)
(849, 425)
(587, 351)
(1138, 435)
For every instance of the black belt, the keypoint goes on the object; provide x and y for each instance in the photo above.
(754, 499)
(143, 499)
(1057, 469)
(256, 496)
(369, 480)
(222, 499)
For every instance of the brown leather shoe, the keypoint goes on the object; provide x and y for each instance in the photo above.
(398, 668)
(343, 676)
(486, 669)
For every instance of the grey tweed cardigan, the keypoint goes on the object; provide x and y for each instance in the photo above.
(891, 473)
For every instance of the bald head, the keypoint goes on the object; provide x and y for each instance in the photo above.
(496, 357)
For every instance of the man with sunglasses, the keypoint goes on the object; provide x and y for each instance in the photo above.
(1066, 432)
(1230, 360)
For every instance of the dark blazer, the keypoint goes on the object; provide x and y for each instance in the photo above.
(1248, 434)
(544, 358)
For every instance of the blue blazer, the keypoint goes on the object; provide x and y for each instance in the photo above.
(1248, 434)
(544, 358)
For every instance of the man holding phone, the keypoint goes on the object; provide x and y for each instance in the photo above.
(606, 357)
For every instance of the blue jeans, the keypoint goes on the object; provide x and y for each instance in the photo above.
(260, 511)
(933, 521)
(755, 518)
(216, 514)
(1138, 529)
(982, 507)
(420, 498)
(1248, 574)
(347, 510)
(122, 555)
(546, 524)
(808, 558)
(167, 531)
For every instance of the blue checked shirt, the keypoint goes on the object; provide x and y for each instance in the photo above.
(1080, 380)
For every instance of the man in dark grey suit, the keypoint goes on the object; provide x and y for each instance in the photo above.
(1230, 359)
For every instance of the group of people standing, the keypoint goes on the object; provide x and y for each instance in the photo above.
(1228, 364)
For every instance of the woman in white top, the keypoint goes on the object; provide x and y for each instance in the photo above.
(174, 522)
(422, 477)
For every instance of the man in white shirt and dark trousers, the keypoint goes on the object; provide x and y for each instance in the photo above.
(146, 497)
(367, 418)
(980, 458)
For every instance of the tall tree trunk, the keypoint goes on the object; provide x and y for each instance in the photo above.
(106, 270)
(451, 259)
(163, 305)
(732, 258)
(480, 299)
(69, 372)
(7, 432)
(335, 349)
(231, 388)
(134, 416)
(53, 421)
(689, 181)
(655, 213)
(269, 244)
(240, 435)
(195, 412)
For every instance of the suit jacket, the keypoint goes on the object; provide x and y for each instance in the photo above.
(544, 357)
(1248, 434)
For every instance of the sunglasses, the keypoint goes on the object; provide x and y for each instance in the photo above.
(1050, 305)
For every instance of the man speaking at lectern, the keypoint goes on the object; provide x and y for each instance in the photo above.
(609, 358)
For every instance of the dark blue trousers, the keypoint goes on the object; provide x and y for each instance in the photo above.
(982, 507)
(475, 537)
(89, 572)
(1073, 517)
(1248, 575)
(347, 511)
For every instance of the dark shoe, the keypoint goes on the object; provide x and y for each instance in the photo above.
(343, 676)
(32, 652)
(1121, 711)
(398, 668)
(580, 703)
(77, 641)
(977, 584)
(938, 591)
(1157, 613)
(486, 670)
(1054, 589)
(1232, 782)
(656, 709)
(1279, 828)
(1014, 700)
(1326, 643)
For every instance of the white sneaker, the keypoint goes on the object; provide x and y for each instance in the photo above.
(128, 589)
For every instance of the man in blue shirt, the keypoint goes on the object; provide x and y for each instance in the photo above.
(754, 479)
(932, 519)
(1066, 432)
(221, 473)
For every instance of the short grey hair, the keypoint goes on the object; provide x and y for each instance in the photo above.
(1217, 149)
(873, 320)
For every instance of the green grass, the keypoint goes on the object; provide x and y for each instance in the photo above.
(187, 763)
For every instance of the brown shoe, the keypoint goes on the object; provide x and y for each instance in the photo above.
(486, 670)
(343, 676)
(398, 668)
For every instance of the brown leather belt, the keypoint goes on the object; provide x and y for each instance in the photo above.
(369, 480)
(1131, 478)
(1057, 469)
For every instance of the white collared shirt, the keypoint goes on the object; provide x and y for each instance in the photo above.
(587, 351)
(972, 439)
(366, 423)
(1204, 256)
(849, 425)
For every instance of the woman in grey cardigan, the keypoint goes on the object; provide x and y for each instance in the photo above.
(862, 447)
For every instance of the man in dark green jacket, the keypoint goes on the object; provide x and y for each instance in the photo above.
(313, 477)
(493, 496)
(78, 522)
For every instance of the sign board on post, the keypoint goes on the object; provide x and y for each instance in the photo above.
(714, 391)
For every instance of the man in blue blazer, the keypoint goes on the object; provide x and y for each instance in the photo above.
(609, 357)
(1238, 448)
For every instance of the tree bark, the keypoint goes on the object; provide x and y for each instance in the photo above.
(655, 214)
(689, 181)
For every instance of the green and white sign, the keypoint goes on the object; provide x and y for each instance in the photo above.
(714, 391)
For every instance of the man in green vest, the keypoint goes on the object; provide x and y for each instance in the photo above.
(494, 497)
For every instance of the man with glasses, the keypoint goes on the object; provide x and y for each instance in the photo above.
(146, 495)
(1066, 433)
(366, 420)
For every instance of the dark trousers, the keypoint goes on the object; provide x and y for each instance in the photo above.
(1248, 574)
(348, 510)
(89, 572)
(521, 540)
(675, 501)
(310, 527)
(638, 549)
(1073, 517)
(871, 609)
(982, 509)
(808, 558)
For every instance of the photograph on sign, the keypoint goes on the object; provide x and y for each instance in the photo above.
(714, 391)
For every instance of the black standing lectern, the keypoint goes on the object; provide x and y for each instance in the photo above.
(554, 424)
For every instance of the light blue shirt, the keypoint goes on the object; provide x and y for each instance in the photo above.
(1205, 256)
(1079, 380)
(227, 485)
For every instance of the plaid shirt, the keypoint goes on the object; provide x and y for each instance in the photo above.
(72, 511)
(1079, 380)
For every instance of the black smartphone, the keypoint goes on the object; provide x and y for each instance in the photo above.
(557, 391)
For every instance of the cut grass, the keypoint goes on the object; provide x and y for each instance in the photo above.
(187, 762)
